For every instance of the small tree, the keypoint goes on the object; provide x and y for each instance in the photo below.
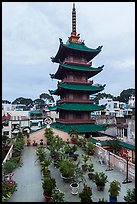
(114, 189)
(100, 179)
(74, 135)
(86, 194)
(130, 195)
(57, 196)
(85, 160)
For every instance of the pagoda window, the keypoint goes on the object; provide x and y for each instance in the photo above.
(83, 60)
(77, 78)
(70, 116)
(85, 97)
(78, 96)
(70, 77)
(71, 96)
(78, 116)
(84, 78)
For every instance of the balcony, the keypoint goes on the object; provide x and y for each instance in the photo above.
(77, 62)
(75, 121)
(77, 81)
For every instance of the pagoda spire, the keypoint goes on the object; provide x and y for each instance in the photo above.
(74, 19)
(74, 36)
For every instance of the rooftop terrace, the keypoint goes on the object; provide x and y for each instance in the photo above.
(29, 185)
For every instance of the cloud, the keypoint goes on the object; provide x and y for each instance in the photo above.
(30, 33)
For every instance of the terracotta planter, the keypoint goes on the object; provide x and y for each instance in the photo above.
(90, 175)
(84, 167)
(75, 158)
(35, 144)
(47, 197)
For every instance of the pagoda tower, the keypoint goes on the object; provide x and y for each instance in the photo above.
(74, 87)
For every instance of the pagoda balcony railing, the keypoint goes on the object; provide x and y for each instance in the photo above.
(77, 81)
(75, 121)
(77, 62)
(75, 101)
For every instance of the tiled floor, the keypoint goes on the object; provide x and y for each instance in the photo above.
(29, 187)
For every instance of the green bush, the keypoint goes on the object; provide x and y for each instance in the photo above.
(114, 189)
(86, 194)
(7, 190)
(48, 185)
(130, 195)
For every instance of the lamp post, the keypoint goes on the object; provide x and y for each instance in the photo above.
(109, 168)
(126, 179)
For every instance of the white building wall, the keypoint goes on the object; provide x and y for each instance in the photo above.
(131, 102)
(8, 107)
(17, 118)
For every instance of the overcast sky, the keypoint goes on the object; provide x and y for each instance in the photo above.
(30, 36)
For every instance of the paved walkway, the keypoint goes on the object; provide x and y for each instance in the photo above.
(28, 178)
(29, 187)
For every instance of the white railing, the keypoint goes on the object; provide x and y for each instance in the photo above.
(8, 155)
(116, 161)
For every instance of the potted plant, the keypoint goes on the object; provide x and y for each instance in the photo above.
(85, 160)
(34, 143)
(74, 135)
(100, 179)
(40, 152)
(48, 185)
(81, 142)
(41, 141)
(86, 194)
(130, 195)
(49, 134)
(67, 169)
(90, 148)
(72, 150)
(57, 195)
(114, 190)
(77, 178)
(90, 170)
(44, 166)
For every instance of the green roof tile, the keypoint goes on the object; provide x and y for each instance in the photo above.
(84, 87)
(81, 68)
(78, 87)
(78, 107)
(123, 144)
(80, 128)
(64, 49)
(81, 46)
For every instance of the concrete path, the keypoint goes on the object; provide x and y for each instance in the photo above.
(28, 178)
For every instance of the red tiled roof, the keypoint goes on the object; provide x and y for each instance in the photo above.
(6, 117)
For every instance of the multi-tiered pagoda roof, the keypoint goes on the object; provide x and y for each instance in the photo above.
(74, 70)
